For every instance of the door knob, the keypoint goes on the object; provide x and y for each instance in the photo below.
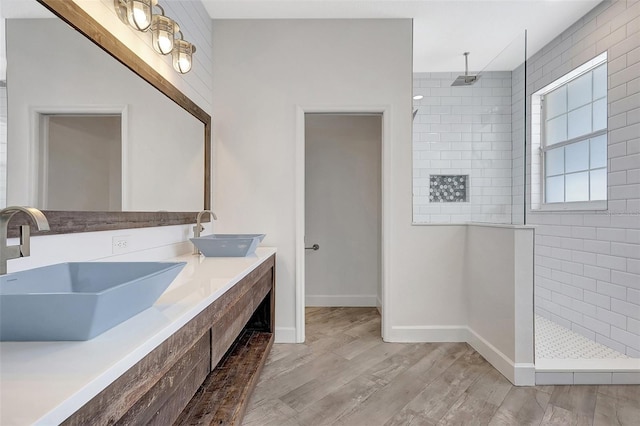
(314, 247)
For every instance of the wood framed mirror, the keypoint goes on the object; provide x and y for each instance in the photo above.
(88, 221)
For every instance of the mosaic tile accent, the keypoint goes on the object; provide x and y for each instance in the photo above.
(448, 188)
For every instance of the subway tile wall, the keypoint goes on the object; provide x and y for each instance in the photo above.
(3, 144)
(463, 131)
(518, 130)
(587, 264)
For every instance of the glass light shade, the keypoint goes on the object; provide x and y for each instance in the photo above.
(163, 30)
(182, 55)
(139, 13)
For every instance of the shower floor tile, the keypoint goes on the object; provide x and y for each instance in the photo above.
(556, 342)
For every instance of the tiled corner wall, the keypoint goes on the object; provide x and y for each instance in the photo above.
(517, 145)
(587, 264)
(463, 131)
(3, 144)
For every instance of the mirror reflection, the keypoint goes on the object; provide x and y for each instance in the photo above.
(85, 133)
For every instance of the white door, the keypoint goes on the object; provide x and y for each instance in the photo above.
(343, 209)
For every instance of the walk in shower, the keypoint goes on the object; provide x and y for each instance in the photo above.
(468, 141)
(478, 157)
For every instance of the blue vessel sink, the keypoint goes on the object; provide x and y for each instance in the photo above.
(228, 245)
(78, 301)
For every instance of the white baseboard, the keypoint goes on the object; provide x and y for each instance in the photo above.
(418, 334)
(285, 335)
(342, 300)
(520, 374)
(524, 374)
(379, 305)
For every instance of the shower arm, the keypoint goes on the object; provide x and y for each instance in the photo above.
(466, 64)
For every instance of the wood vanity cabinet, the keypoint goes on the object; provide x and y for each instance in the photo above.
(205, 372)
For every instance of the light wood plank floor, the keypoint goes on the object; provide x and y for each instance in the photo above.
(346, 375)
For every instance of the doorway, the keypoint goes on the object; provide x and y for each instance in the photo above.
(80, 158)
(343, 209)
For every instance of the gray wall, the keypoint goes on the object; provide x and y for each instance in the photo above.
(83, 163)
(587, 264)
(342, 209)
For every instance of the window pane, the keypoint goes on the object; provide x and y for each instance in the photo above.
(580, 121)
(556, 130)
(577, 186)
(600, 82)
(577, 156)
(555, 190)
(600, 114)
(554, 162)
(580, 91)
(556, 102)
(599, 184)
(599, 152)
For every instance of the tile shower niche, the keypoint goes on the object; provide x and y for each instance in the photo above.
(448, 188)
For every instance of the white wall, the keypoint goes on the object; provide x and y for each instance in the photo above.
(428, 286)
(463, 130)
(262, 70)
(343, 209)
(587, 266)
(499, 280)
(145, 243)
(159, 135)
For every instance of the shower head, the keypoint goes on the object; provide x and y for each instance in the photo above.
(466, 79)
(415, 111)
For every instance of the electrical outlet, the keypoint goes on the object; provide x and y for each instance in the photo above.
(120, 244)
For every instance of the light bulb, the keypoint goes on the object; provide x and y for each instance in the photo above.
(165, 44)
(139, 14)
(184, 64)
(140, 17)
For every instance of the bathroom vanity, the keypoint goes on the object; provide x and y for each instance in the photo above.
(193, 358)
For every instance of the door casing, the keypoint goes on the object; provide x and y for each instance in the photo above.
(301, 110)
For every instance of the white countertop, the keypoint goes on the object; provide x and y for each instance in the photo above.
(46, 382)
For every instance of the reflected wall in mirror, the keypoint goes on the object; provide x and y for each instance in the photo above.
(80, 162)
(65, 74)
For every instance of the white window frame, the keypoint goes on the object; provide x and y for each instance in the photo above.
(539, 149)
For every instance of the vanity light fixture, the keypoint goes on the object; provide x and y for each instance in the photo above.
(182, 54)
(163, 31)
(136, 13)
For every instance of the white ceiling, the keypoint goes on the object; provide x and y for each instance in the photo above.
(492, 30)
(443, 29)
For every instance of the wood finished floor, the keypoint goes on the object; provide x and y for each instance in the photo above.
(346, 375)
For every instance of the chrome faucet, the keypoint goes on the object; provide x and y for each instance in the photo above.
(24, 248)
(199, 228)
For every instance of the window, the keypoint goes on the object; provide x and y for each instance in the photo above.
(573, 138)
